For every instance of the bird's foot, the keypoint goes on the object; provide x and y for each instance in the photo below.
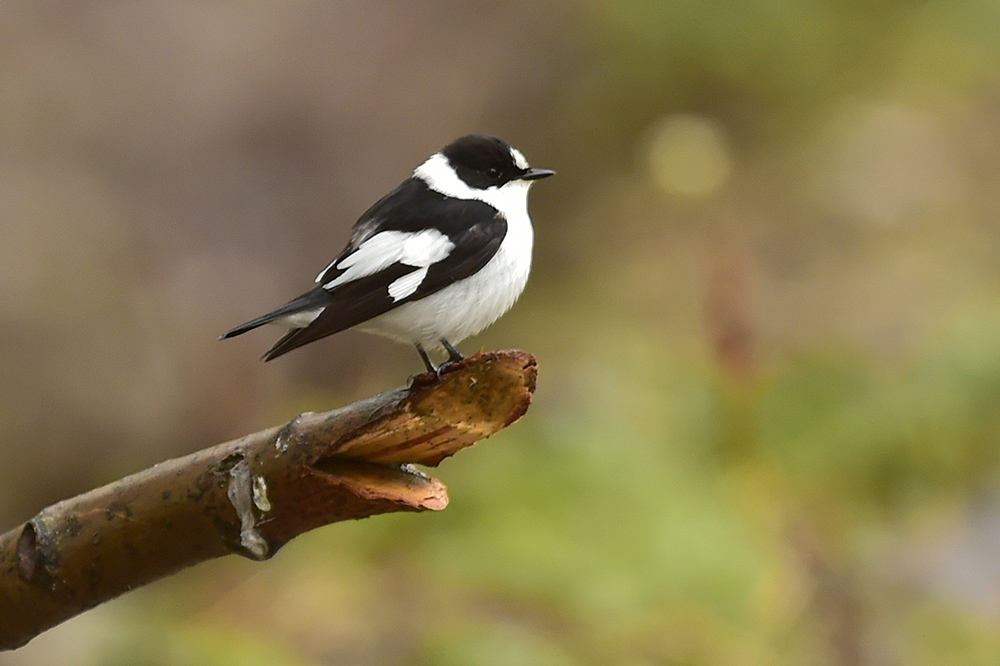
(436, 371)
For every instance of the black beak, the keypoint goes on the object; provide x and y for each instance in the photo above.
(535, 174)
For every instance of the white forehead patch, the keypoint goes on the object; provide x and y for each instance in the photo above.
(518, 158)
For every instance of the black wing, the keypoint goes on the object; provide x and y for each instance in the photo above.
(411, 207)
(478, 231)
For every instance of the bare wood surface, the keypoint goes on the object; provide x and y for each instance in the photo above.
(252, 495)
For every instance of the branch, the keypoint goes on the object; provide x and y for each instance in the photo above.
(252, 495)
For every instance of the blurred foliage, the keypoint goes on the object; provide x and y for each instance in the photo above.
(765, 305)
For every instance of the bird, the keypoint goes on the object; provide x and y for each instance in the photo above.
(433, 262)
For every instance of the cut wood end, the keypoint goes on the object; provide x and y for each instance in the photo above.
(472, 400)
(400, 486)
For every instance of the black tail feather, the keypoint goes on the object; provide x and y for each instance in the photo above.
(314, 298)
(285, 344)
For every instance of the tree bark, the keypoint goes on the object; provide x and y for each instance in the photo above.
(252, 495)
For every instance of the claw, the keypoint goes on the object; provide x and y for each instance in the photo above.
(454, 356)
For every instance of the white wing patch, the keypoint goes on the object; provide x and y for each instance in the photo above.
(425, 248)
(420, 250)
(362, 232)
(406, 285)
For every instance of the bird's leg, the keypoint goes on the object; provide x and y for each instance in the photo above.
(454, 356)
(427, 360)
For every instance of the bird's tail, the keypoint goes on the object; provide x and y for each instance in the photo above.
(315, 298)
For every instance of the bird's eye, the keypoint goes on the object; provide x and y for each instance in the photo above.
(493, 172)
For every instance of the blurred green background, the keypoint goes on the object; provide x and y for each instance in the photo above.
(765, 304)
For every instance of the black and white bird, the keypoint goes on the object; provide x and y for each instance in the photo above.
(433, 262)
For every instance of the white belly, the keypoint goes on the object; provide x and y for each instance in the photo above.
(468, 306)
